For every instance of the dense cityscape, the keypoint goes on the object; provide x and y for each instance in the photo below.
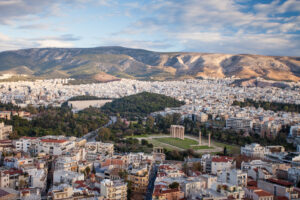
(149, 100)
(69, 167)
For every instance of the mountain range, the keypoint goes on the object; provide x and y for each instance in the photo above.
(109, 63)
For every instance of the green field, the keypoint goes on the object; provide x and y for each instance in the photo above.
(232, 149)
(137, 136)
(201, 147)
(183, 144)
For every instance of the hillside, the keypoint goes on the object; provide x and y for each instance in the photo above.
(110, 63)
(140, 104)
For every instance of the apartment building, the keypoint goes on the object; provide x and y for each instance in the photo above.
(254, 150)
(114, 190)
(54, 146)
(239, 123)
(139, 178)
(217, 164)
(26, 143)
(234, 176)
(5, 130)
(255, 193)
(278, 188)
(162, 192)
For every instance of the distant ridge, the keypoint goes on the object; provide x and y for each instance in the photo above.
(105, 63)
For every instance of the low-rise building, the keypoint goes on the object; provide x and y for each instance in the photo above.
(255, 193)
(254, 150)
(5, 130)
(234, 176)
(139, 178)
(239, 123)
(162, 192)
(114, 190)
(278, 188)
(54, 146)
(217, 164)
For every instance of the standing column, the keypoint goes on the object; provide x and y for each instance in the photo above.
(200, 135)
(209, 140)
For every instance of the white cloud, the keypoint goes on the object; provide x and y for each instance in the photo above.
(11, 43)
(3, 37)
(53, 43)
(221, 26)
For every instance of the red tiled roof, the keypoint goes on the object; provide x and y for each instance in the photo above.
(252, 183)
(281, 198)
(222, 159)
(5, 141)
(13, 171)
(280, 182)
(253, 188)
(53, 141)
(158, 192)
(165, 167)
(262, 193)
(29, 138)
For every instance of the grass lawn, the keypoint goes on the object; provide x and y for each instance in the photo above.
(138, 136)
(143, 136)
(201, 147)
(231, 149)
(160, 144)
(183, 144)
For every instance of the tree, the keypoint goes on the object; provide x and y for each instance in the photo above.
(174, 185)
(225, 151)
(197, 166)
(150, 123)
(104, 133)
(87, 170)
(144, 142)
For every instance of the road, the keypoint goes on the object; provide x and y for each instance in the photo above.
(91, 136)
(152, 178)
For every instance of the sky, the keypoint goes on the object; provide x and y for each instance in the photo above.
(267, 27)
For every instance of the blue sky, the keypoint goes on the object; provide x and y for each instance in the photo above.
(268, 27)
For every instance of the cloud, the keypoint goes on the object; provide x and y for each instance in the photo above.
(221, 26)
(21, 10)
(34, 26)
(54, 43)
(9, 43)
(11, 10)
(135, 43)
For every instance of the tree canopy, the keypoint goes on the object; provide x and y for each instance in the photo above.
(140, 105)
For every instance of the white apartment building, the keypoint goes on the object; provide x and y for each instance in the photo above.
(5, 130)
(219, 163)
(193, 187)
(234, 176)
(25, 143)
(114, 190)
(4, 180)
(54, 146)
(100, 147)
(66, 163)
(68, 177)
(254, 150)
(239, 123)
(38, 178)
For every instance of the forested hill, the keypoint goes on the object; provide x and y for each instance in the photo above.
(140, 105)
